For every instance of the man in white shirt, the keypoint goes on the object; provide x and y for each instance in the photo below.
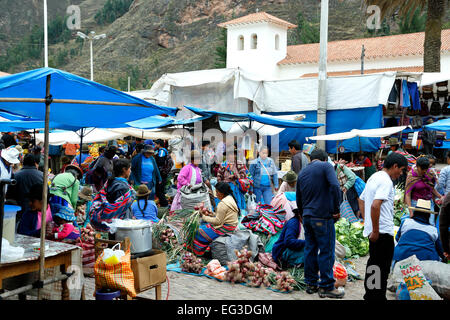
(378, 211)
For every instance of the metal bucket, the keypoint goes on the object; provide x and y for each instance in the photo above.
(140, 237)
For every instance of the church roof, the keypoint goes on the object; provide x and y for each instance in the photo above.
(375, 48)
(258, 17)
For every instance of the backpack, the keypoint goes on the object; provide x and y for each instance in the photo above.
(424, 110)
(436, 108)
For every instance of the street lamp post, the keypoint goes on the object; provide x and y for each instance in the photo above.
(91, 37)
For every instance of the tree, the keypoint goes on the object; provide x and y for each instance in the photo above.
(413, 23)
(221, 50)
(433, 27)
(305, 31)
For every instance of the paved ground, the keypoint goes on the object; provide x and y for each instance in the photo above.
(188, 287)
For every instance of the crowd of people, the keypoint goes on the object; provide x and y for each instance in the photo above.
(132, 181)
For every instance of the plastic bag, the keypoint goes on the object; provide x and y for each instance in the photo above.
(417, 284)
(126, 223)
(251, 204)
(9, 252)
(112, 256)
(340, 274)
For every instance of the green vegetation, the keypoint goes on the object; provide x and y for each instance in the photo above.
(413, 23)
(31, 46)
(306, 32)
(221, 50)
(112, 10)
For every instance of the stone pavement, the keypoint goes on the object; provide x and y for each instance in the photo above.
(187, 287)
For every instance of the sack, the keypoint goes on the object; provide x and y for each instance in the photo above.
(435, 271)
(115, 276)
(436, 108)
(417, 284)
(191, 197)
(346, 210)
(339, 250)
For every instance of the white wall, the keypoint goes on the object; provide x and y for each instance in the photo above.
(263, 60)
(295, 71)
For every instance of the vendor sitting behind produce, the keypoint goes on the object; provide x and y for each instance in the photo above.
(64, 228)
(417, 236)
(288, 251)
(30, 223)
(225, 220)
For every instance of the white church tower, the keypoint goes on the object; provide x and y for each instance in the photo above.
(256, 43)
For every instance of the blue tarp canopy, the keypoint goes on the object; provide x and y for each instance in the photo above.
(159, 122)
(340, 121)
(14, 117)
(440, 125)
(228, 116)
(76, 101)
(13, 126)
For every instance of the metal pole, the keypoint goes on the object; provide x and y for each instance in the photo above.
(45, 183)
(129, 84)
(81, 146)
(322, 92)
(363, 54)
(45, 36)
(92, 61)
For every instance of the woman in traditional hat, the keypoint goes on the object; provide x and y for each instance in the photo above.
(416, 236)
(289, 182)
(143, 208)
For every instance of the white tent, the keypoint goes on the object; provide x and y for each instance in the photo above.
(369, 133)
(90, 136)
(147, 134)
(228, 90)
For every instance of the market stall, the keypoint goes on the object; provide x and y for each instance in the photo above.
(56, 95)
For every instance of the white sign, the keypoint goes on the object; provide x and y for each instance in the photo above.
(374, 20)
(414, 139)
(73, 21)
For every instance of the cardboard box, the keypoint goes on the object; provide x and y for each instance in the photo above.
(149, 271)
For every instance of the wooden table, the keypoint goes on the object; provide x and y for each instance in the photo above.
(58, 254)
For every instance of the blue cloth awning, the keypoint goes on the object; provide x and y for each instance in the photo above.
(440, 125)
(66, 86)
(13, 126)
(228, 116)
(159, 122)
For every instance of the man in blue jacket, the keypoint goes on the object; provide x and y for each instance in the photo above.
(144, 170)
(318, 200)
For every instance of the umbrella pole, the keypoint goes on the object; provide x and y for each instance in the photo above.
(34, 133)
(337, 150)
(48, 101)
(81, 146)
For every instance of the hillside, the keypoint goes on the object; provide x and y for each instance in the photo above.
(160, 36)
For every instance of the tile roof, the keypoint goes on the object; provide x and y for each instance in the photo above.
(258, 17)
(368, 71)
(375, 48)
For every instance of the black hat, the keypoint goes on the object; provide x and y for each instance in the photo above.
(148, 149)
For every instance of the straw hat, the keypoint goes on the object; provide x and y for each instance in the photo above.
(11, 154)
(290, 176)
(422, 206)
(393, 141)
(86, 194)
(143, 191)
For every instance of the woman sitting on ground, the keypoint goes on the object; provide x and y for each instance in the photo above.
(224, 221)
(115, 199)
(288, 251)
(416, 236)
(143, 208)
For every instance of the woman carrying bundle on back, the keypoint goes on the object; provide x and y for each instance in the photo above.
(115, 199)
(214, 225)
